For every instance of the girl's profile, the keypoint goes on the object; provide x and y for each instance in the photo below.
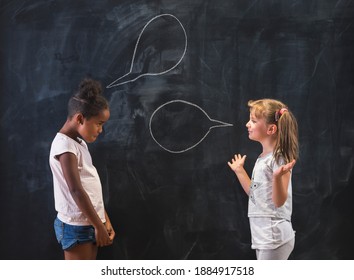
(274, 126)
(82, 223)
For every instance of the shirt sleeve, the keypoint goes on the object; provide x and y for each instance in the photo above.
(63, 145)
(275, 165)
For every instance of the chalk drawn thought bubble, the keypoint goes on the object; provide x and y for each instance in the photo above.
(178, 126)
(159, 49)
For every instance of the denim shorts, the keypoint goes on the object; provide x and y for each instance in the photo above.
(69, 236)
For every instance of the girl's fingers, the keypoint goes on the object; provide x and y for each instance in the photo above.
(237, 157)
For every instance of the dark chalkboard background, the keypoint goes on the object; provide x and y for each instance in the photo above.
(187, 205)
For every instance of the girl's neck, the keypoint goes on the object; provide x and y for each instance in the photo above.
(265, 152)
(268, 146)
(69, 130)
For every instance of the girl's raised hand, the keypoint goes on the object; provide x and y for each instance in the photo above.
(237, 162)
(284, 169)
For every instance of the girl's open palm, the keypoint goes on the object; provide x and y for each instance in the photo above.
(284, 169)
(237, 162)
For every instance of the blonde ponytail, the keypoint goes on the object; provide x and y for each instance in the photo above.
(287, 139)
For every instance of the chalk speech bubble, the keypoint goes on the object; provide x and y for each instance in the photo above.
(164, 23)
(171, 110)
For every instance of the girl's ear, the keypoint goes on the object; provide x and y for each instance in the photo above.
(79, 118)
(272, 129)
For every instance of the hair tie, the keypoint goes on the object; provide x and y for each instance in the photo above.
(279, 113)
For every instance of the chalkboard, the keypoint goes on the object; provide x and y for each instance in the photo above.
(178, 75)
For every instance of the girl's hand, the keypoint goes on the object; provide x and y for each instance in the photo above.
(102, 236)
(284, 169)
(237, 163)
(110, 231)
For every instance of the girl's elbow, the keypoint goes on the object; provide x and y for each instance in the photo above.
(278, 202)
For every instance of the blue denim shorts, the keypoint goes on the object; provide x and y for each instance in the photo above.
(69, 236)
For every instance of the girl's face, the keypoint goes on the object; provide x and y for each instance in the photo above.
(257, 128)
(91, 128)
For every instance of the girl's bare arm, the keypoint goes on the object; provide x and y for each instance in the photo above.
(236, 165)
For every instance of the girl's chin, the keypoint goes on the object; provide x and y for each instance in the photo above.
(90, 140)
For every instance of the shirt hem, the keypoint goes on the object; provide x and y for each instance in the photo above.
(269, 216)
(67, 220)
(272, 246)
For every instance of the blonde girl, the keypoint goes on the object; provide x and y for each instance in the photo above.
(274, 126)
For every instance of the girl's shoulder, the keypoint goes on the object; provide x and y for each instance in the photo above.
(271, 161)
(64, 141)
(278, 160)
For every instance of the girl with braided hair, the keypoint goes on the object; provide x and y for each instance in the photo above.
(82, 223)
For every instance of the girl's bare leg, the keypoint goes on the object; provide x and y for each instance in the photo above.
(85, 251)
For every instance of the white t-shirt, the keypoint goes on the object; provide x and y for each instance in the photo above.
(68, 211)
(270, 226)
